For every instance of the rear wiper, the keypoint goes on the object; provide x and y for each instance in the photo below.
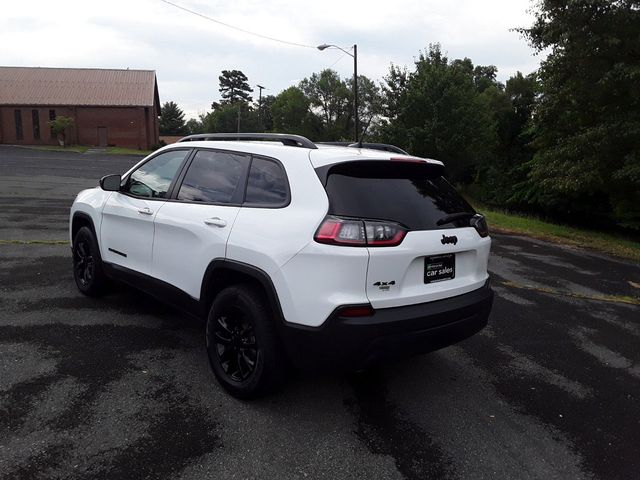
(453, 217)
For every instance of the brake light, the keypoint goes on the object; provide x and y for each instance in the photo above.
(408, 159)
(356, 232)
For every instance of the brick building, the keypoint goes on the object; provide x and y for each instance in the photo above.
(109, 107)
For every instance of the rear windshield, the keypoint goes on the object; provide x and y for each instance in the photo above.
(414, 195)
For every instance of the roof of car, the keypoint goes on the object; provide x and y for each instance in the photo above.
(329, 154)
(296, 147)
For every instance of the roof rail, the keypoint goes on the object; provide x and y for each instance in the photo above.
(286, 139)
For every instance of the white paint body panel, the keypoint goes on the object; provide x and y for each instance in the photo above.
(319, 279)
(404, 265)
(269, 237)
(184, 244)
(128, 231)
(89, 202)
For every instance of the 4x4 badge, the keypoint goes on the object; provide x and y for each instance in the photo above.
(384, 286)
(452, 239)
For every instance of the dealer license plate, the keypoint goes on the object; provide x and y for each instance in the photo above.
(439, 267)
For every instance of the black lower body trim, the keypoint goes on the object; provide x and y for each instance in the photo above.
(158, 289)
(355, 343)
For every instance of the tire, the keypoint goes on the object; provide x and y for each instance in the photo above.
(242, 343)
(87, 263)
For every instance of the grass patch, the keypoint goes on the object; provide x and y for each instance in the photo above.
(58, 148)
(127, 151)
(612, 243)
(598, 298)
(84, 148)
(34, 242)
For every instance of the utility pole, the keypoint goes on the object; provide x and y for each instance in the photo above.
(355, 93)
(260, 104)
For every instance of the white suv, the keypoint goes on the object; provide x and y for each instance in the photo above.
(295, 253)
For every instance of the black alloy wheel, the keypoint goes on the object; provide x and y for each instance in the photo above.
(84, 263)
(242, 343)
(87, 263)
(235, 344)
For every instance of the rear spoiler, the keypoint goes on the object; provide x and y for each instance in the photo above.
(430, 168)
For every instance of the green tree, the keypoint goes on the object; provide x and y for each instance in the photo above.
(264, 112)
(193, 126)
(291, 113)
(172, 120)
(59, 127)
(234, 87)
(329, 96)
(224, 119)
(501, 178)
(437, 111)
(587, 121)
(370, 105)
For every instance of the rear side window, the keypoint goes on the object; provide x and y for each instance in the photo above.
(153, 179)
(414, 195)
(267, 184)
(215, 177)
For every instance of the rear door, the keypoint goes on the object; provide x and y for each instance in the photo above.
(193, 228)
(433, 261)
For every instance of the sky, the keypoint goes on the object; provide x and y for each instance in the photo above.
(188, 52)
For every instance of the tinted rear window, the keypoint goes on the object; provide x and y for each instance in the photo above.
(414, 195)
(267, 185)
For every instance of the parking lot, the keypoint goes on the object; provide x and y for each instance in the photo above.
(120, 387)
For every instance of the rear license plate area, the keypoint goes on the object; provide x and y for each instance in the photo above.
(438, 268)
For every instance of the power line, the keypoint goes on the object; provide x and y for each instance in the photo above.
(334, 63)
(266, 37)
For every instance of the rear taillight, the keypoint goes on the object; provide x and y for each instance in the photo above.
(480, 224)
(356, 232)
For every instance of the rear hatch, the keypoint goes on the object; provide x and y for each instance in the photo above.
(417, 229)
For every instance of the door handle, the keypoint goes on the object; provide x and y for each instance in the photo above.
(145, 211)
(216, 222)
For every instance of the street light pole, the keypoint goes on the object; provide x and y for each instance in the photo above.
(356, 120)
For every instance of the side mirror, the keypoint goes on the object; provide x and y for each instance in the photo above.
(110, 183)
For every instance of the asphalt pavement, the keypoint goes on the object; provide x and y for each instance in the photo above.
(120, 387)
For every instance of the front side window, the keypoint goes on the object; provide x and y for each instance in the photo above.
(215, 177)
(153, 179)
(267, 185)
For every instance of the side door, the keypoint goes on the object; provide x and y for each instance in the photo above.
(126, 232)
(192, 228)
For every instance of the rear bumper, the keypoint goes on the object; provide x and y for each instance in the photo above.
(354, 343)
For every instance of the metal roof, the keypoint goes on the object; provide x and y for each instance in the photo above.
(77, 86)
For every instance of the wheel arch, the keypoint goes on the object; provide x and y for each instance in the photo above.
(222, 273)
(81, 219)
